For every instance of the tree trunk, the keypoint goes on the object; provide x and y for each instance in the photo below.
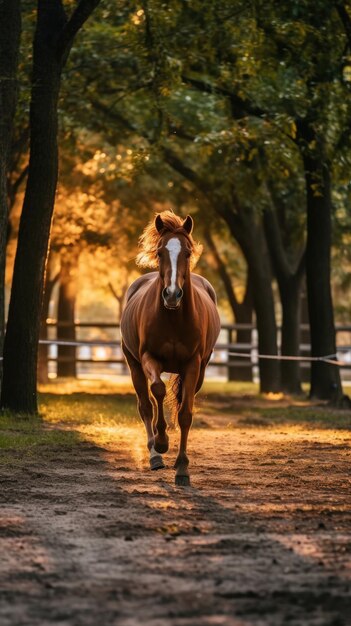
(21, 342)
(325, 379)
(10, 30)
(290, 345)
(289, 281)
(250, 236)
(43, 354)
(67, 365)
(53, 39)
(267, 331)
(242, 371)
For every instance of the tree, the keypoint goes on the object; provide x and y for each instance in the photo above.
(242, 311)
(67, 296)
(51, 278)
(316, 132)
(252, 78)
(172, 116)
(10, 29)
(288, 266)
(54, 37)
(313, 104)
(325, 379)
(305, 97)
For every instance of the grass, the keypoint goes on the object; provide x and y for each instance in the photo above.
(86, 408)
(89, 403)
(106, 404)
(27, 436)
(211, 387)
(72, 411)
(303, 416)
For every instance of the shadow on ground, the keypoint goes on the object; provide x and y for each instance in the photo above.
(88, 535)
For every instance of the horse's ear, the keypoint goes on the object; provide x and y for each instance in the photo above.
(159, 223)
(188, 224)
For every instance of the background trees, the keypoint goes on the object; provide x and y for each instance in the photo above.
(237, 112)
(10, 21)
(54, 36)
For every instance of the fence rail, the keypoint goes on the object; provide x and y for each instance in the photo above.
(96, 350)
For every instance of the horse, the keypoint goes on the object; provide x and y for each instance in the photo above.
(170, 323)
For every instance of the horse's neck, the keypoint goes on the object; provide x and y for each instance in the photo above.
(188, 297)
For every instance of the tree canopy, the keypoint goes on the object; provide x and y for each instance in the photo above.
(237, 112)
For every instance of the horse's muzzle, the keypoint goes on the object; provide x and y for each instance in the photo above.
(172, 299)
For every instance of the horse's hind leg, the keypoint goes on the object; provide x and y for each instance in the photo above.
(185, 417)
(152, 370)
(145, 407)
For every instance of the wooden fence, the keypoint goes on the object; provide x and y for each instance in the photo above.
(98, 350)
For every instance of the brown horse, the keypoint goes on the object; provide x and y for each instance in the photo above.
(170, 324)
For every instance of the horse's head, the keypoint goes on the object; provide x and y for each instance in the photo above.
(174, 251)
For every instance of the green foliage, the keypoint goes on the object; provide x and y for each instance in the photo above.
(224, 86)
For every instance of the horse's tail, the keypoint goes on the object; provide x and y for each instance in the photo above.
(174, 397)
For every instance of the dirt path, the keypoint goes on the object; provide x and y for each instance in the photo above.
(261, 538)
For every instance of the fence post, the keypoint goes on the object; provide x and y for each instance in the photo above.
(305, 337)
(238, 369)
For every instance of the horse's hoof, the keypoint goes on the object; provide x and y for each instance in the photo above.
(182, 481)
(161, 446)
(156, 462)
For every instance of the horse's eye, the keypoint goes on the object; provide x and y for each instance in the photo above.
(159, 254)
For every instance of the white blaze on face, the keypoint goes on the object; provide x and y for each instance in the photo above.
(173, 247)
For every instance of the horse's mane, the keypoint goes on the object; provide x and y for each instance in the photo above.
(150, 237)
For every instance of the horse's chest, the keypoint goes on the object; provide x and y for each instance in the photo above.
(171, 352)
(174, 350)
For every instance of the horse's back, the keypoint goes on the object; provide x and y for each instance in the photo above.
(207, 313)
(134, 303)
(202, 283)
(142, 281)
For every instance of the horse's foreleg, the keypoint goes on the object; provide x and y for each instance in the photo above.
(145, 407)
(185, 418)
(152, 370)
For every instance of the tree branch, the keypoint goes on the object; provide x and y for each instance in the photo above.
(114, 292)
(346, 20)
(19, 146)
(117, 117)
(277, 249)
(248, 300)
(275, 245)
(177, 164)
(301, 266)
(240, 107)
(78, 18)
(222, 271)
(20, 178)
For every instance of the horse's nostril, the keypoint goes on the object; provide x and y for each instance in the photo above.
(169, 294)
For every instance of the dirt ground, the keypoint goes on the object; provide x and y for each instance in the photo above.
(90, 536)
